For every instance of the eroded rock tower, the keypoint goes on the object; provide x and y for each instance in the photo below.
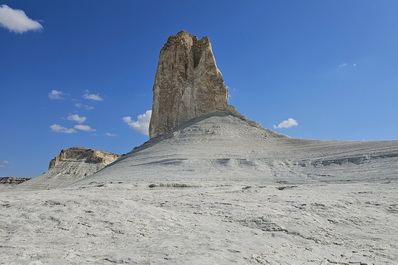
(187, 85)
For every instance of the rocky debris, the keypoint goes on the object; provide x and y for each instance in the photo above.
(11, 181)
(70, 166)
(187, 85)
(84, 155)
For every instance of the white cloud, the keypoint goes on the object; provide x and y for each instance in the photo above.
(286, 124)
(347, 65)
(59, 129)
(87, 107)
(95, 97)
(76, 118)
(55, 94)
(4, 164)
(142, 123)
(86, 128)
(110, 134)
(16, 20)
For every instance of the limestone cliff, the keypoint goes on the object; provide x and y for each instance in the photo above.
(71, 165)
(187, 85)
(82, 154)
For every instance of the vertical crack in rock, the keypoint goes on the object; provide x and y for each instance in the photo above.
(187, 85)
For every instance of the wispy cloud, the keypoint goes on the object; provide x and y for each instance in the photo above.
(56, 94)
(85, 128)
(95, 97)
(76, 118)
(4, 164)
(286, 124)
(16, 20)
(59, 129)
(141, 125)
(347, 65)
(110, 134)
(87, 107)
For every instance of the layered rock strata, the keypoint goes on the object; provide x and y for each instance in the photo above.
(187, 85)
(12, 180)
(6, 182)
(83, 155)
(71, 165)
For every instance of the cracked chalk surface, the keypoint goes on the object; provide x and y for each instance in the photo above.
(233, 222)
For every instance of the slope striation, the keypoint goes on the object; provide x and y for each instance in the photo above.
(222, 146)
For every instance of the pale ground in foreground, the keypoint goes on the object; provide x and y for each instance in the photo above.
(242, 222)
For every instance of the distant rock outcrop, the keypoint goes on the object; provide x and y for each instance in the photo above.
(6, 182)
(12, 180)
(187, 85)
(83, 155)
(71, 165)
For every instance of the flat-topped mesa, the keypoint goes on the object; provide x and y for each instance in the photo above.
(187, 85)
(70, 166)
(82, 154)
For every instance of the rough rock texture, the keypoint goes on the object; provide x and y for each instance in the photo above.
(187, 85)
(71, 165)
(84, 155)
(7, 182)
(12, 180)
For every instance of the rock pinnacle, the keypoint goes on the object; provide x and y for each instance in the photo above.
(187, 85)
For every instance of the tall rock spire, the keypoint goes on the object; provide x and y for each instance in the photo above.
(187, 85)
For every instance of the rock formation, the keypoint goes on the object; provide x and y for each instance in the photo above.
(6, 182)
(11, 181)
(187, 85)
(71, 165)
(83, 155)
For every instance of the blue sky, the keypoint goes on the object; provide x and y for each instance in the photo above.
(72, 72)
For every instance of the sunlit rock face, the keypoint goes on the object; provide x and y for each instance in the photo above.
(70, 166)
(84, 155)
(187, 85)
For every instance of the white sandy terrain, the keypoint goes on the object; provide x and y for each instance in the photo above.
(236, 223)
(217, 190)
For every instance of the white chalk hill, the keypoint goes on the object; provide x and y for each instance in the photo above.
(224, 147)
